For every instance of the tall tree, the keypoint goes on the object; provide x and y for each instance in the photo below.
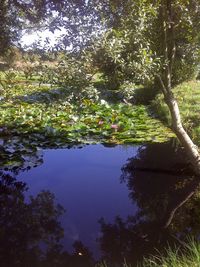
(155, 40)
(168, 12)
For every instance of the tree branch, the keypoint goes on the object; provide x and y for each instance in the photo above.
(163, 87)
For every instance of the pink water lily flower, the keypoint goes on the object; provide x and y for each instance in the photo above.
(114, 126)
(100, 122)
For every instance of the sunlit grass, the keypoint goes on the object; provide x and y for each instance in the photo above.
(188, 97)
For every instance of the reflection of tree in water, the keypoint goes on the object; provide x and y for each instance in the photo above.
(30, 231)
(158, 181)
(18, 154)
(24, 152)
(165, 191)
(23, 225)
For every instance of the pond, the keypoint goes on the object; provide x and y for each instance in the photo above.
(94, 202)
(86, 182)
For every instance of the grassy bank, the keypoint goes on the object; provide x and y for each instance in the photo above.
(187, 257)
(188, 96)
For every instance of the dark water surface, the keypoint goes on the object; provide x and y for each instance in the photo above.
(86, 182)
(120, 202)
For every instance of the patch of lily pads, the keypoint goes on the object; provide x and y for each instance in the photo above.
(53, 121)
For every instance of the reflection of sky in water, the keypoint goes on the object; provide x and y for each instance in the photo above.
(86, 182)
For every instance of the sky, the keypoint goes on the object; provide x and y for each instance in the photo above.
(29, 39)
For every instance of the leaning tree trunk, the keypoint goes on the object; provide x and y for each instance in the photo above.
(166, 86)
(185, 140)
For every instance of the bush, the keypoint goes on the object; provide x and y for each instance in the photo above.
(184, 71)
(73, 75)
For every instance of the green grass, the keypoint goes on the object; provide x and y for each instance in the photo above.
(187, 257)
(188, 97)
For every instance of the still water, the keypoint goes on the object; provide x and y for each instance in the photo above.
(86, 182)
(94, 203)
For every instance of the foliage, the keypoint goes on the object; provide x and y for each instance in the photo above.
(7, 82)
(125, 51)
(46, 112)
(39, 72)
(12, 55)
(19, 154)
(18, 17)
(132, 47)
(188, 97)
(74, 74)
(125, 93)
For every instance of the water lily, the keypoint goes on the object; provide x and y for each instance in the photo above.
(100, 122)
(103, 102)
(75, 118)
(115, 127)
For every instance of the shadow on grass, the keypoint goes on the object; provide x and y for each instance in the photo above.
(144, 95)
(141, 95)
(138, 95)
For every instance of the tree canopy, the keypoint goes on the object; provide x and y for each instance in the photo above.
(133, 45)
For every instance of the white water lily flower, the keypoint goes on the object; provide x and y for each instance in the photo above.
(75, 118)
(104, 102)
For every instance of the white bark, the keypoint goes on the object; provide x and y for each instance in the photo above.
(169, 54)
(185, 140)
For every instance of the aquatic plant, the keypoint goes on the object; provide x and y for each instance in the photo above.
(46, 113)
